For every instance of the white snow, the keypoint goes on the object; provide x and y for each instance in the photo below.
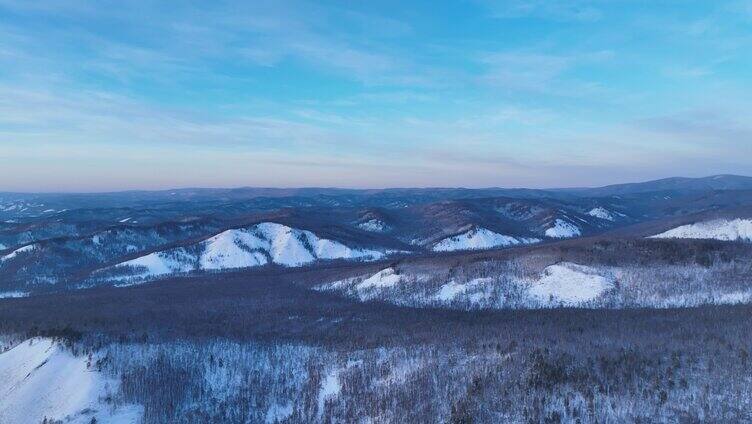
(374, 225)
(450, 291)
(124, 220)
(286, 244)
(562, 229)
(330, 387)
(372, 286)
(18, 251)
(278, 413)
(479, 238)
(570, 284)
(232, 249)
(601, 213)
(719, 229)
(39, 378)
(161, 263)
(474, 290)
(13, 294)
(382, 279)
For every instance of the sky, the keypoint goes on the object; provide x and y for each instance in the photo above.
(101, 96)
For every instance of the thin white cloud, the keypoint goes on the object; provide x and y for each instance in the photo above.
(557, 10)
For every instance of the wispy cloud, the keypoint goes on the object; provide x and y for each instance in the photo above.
(706, 126)
(559, 10)
(539, 72)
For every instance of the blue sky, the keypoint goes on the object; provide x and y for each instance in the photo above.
(107, 96)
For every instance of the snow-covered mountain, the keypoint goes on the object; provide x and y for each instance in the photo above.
(260, 244)
(719, 229)
(479, 238)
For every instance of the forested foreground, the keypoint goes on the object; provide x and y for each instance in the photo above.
(261, 349)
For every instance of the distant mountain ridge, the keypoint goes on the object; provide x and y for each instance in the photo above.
(713, 182)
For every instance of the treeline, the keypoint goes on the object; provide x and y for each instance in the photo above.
(646, 366)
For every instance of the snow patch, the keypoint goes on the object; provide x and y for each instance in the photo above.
(601, 213)
(450, 291)
(479, 238)
(330, 387)
(13, 294)
(278, 413)
(570, 284)
(562, 229)
(720, 229)
(382, 279)
(374, 225)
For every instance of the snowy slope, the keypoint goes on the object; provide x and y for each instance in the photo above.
(601, 213)
(175, 261)
(233, 249)
(39, 378)
(257, 245)
(562, 229)
(479, 238)
(570, 284)
(721, 229)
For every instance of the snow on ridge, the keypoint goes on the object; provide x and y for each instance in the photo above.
(477, 239)
(260, 244)
(18, 251)
(570, 284)
(39, 378)
(719, 229)
(602, 213)
(562, 229)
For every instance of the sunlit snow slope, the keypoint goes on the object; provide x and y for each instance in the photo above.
(39, 378)
(720, 229)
